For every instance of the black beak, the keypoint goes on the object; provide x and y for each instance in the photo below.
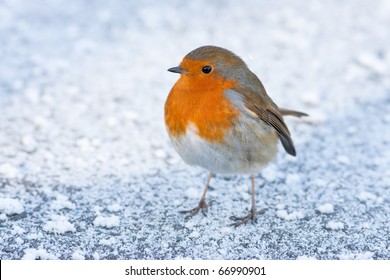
(177, 69)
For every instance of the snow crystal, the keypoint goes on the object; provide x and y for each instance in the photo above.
(38, 254)
(311, 99)
(96, 256)
(194, 234)
(372, 62)
(318, 182)
(40, 121)
(360, 256)
(34, 236)
(62, 202)
(84, 144)
(19, 240)
(386, 118)
(11, 206)
(305, 258)
(17, 230)
(111, 121)
(59, 225)
(293, 179)
(28, 142)
(8, 171)
(326, 208)
(315, 118)
(280, 206)
(160, 153)
(364, 256)
(107, 222)
(114, 207)
(343, 159)
(270, 173)
(32, 94)
(334, 225)
(192, 192)
(78, 255)
(130, 115)
(364, 196)
(295, 215)
(107, 242)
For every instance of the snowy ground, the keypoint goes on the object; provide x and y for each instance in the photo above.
(86, 167)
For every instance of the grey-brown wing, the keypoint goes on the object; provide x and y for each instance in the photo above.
(273, 117)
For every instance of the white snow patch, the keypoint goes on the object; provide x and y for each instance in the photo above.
(315, 118)
(311, 99)
(3, 217)
(130, 115)
(386, 118)
(372, 62)
(38, 254)
(34, 236)
(295, 215)
(114, 207)
(62, 202)
(194, 234)
(32, 95)
(326, 208)
(343, 159)
(108, 242)
(19, 240)
(360, 256)
(17, 230)
(334, 225)
(270, 173)
(319, 182)
(40, 121)
(59, 225)
(107, 222)
(364, 196)
(160, 153)
(96, 256)
(78, 255)
(84, 144)
(305, 258)
(293, 179)
(364, 256)
(192, 192)
(280, 206)
(112, 121)
(11, 206)
(29, 143)
(8, 171)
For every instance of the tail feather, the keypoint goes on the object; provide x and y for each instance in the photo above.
(287, 112)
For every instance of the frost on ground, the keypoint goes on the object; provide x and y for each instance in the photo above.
(86, 167)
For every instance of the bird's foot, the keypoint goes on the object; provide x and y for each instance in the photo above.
(250, 217)
(202, 207)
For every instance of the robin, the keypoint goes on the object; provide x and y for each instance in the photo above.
(219, 117)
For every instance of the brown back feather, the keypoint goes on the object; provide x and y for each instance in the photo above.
(257, 100)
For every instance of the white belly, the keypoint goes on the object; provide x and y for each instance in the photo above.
(246, 149)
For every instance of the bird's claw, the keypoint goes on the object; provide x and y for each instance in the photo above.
(202, 207)
(243, 220)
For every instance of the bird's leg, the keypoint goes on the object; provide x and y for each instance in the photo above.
(252, 213)
(202, 203)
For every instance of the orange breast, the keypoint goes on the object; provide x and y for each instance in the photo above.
(200, 102)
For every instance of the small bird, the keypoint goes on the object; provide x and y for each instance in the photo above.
(219, 117)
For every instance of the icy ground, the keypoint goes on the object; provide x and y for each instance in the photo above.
(86, 167)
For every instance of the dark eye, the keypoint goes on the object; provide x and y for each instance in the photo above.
(207, 69)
